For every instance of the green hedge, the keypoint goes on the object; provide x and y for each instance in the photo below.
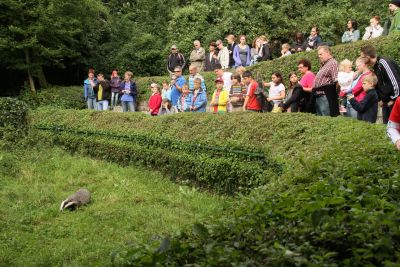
(331, 193)
(13, 119)
(57, 96)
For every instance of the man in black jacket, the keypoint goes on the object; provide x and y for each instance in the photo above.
(175, 59)
(388, 73)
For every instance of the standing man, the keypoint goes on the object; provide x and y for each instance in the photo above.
(198, 56)
(326, 102)
(175, 59)
(177, 85)
(194, 74)
(223, 55)
(250, 102)
(388, 73)
(226, 76)
(231, 46)
(394, 7)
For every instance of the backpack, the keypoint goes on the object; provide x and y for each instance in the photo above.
(261, 95)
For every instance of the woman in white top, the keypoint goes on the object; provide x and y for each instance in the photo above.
(374, 30)
(276, 92)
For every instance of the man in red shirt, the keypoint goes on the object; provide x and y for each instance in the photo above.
(250, 103)
(393, 126)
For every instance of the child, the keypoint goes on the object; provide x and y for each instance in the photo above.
(277, 91)
(368, 107)
(103, 92)
(198, 97)
(220, 98)
(88, 92)
(166, 88)
(129, 92)
(393, 127)
(155, 100)
(285, 50)
(184, 100)
(115, 83)
(166, 108)
(345, 79)
(236, 94)
(292, 101)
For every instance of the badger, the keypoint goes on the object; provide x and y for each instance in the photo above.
(79, 198)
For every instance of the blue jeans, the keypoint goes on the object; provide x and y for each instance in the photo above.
(114, 99)
(102, 105)
(128, 106)
(91, 103)
(351, 112)
(322, 106)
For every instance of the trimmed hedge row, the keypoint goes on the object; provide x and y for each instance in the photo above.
(13, 119)
(219, 168)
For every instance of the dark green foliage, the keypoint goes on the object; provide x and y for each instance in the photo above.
(57, 97)
(13, 119)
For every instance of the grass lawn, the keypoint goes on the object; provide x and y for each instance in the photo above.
(128, 204)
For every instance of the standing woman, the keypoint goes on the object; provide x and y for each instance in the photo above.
(314, 40)
(254, 51)
(115, 83)
(374, 30)
(241, 54)
(352, 34)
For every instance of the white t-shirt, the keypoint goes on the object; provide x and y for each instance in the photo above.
(345, 79)
(275, 90)
(227, 80)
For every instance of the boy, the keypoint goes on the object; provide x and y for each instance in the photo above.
(285, 50)
(88, 92)
(103, 92)
(250, 102)
(367, 108)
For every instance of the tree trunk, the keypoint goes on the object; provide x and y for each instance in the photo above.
(42, 78)
(30, 77)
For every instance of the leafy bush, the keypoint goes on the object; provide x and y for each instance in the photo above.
(13, 119)
(58, 97)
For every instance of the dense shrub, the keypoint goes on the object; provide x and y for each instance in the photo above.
(335, 200)
(58, 97)
(13, 119)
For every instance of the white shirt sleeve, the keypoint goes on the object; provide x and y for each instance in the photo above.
(392, 131)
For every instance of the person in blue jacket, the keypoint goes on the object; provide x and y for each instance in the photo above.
(198, 97)
(88, 93)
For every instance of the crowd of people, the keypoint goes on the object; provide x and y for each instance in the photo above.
(335, 89)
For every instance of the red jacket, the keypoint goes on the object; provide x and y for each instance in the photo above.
(155, 103)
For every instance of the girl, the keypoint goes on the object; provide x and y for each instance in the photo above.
(166, 108)
(352, 34)
(241, 54)
(294, 95)
(345, 79)
(166, 89)
(155, 100)
(236, 94)
(115, 83)
(184, 100)
(254, 51)
(129, 92)
(220, 98)
(277, 91)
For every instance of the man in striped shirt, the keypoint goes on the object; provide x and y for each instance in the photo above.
(326, 102)
(388, 73)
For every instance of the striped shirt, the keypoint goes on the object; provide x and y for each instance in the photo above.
(327, 74)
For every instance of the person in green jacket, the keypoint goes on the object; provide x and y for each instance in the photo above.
(394, 7)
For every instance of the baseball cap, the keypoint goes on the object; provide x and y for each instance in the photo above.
(174, 47)
(219, 80)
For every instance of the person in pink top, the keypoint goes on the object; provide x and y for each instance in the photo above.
(155, 100)
(307, 82)
(356, 88)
